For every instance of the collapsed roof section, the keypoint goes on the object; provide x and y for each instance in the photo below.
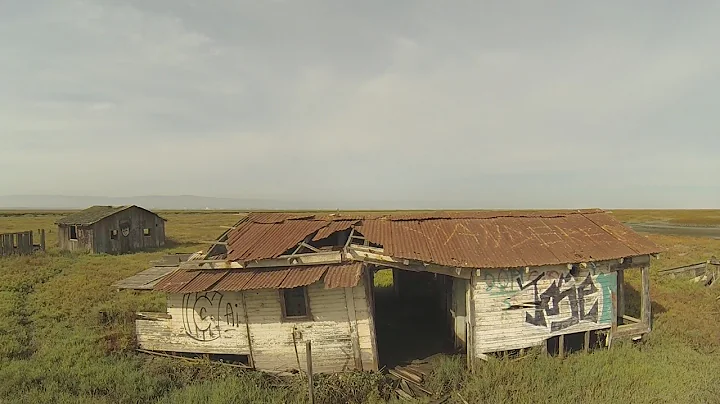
(478, 239)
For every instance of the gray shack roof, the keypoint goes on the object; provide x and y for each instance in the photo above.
(95, 214)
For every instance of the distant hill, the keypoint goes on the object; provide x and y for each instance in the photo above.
(189, 202)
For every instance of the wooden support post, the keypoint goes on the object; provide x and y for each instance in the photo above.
(311, 387)
(352, 320)
(645, 303)
(247, 329)
(561, 345)
(587, 341)
(613, 325)
(470, 321)
(621, 295)
(42, 239)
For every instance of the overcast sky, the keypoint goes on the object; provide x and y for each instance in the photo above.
(467, 104)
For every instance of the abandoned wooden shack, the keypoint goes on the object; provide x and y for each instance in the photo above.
(469, 282)
(111, 230)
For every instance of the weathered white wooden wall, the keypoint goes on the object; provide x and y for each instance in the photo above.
(518, 309)
(214, 322)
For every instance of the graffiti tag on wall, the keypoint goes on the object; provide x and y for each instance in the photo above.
(565, 289)
(204, 315)
(567, 301)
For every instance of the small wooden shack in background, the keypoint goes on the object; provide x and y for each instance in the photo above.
(111, 230)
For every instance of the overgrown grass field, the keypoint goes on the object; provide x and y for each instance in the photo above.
(56, 347)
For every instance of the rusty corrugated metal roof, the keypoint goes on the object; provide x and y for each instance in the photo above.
(270, 278)
(484, 239)
(303, 276)
(509, 240)
(233, 280)
(270, 240)
(343, 275)
(204, 280)
(176, 281)
(332, 227)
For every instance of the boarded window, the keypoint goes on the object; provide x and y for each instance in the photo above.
(73, 232)
(295, 303)
(113, 234)
(146, 232)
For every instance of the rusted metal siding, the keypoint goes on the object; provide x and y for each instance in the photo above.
(214, 322)
(517, 309)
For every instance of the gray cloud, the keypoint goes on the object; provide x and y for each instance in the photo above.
(492, 104)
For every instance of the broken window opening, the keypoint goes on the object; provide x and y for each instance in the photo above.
(73, 232)
(146, 232)
(295, 303)
(113, 234)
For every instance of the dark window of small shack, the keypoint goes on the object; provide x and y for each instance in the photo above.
(146, 232)
(73, 232)
(295, 303)
(113, 234)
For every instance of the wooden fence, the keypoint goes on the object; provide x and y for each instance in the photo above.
(21, 243)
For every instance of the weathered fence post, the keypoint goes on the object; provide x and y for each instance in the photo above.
(42, 239)
(308, 356)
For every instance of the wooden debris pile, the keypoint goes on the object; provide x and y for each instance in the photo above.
(409, 382)
(707, 273)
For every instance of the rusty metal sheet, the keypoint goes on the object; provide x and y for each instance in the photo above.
(343, 275)
(277, 217)
(464, 239)
(235, 280)
(333, 227)
(266, 279)
(637, 242)
(544, 238)
(278, 239)
(303, 276)
(204, 280)
(176, 281)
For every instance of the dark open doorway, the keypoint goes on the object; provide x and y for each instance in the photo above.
(414, 315)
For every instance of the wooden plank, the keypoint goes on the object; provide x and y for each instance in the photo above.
(628, 331)
(586, 347)
(561, 345)
(631, 320)
(247, 328)
(371, 315)
(331, 257)
(470, 319)
(352, 321)
(621, 293)
(311, 386)
(645, 303)
(375, 256)
(613, 325)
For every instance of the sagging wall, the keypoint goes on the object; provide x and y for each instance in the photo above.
(214, 322)
(83, 243)
(517, 309)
